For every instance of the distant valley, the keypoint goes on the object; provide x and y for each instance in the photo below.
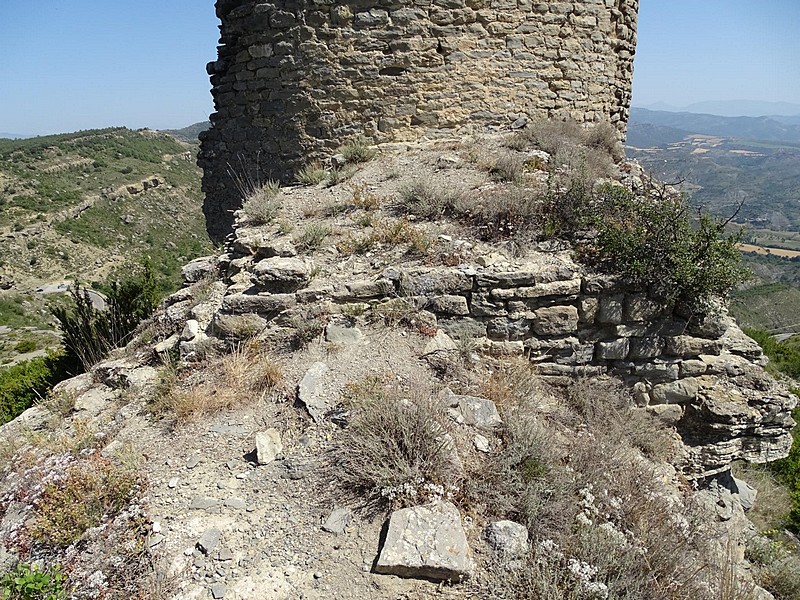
(88, 207)
(749, 164)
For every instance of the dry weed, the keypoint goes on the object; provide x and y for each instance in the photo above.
(244, 375)
(396, 449)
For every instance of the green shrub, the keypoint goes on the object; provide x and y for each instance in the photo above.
(428, 199)
(24, 383)
(30, 582)
(358, 151)
(90, 333)
(651, 240)
(311, 174)
(312, 237)
(25, 346)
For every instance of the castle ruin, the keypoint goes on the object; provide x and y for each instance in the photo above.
(295, 79)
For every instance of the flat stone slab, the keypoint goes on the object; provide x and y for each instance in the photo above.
(426, 542)
(343, 335)
(208, 542)
(337, 521)
(310, 391)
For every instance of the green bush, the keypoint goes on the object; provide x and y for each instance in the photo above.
(650, 240)
(24, 383)
(358, 151)
(29, 582)
(90, 333)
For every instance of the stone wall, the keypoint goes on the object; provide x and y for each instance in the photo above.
(295, 79)
(698, 373)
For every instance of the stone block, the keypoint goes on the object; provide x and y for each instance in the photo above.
(432, 282)
(675, 392)
(449, 305)
(426, 542)
(609, 311)
(686, 346)
(463, 328)
(262, 304)
(279, 274)
(555, 320)
(613, 350)
(508, 329)
(645, 347)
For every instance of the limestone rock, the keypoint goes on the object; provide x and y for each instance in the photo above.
(675, 392)
(478, 412)
(209, 540)
(337, 521)
(343, 334)
(555, 320)
(262, 304)
(430, 282)
(426, 542)
(199, 268)
(441, 342)
(310, 391)
(280, 274)
(508, 539)
(190, 330)
(268, 446)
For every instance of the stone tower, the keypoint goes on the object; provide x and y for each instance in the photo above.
(297, 78)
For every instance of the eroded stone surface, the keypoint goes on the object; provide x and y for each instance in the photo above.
(426, 541)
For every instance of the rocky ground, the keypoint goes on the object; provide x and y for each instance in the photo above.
(243, 501)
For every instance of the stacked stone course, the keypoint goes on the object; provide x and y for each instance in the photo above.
(699, 373)
(296, 79)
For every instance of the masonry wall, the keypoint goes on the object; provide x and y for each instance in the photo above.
(295, 79)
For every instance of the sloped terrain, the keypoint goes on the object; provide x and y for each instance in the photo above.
(87, 207)
(356, 400)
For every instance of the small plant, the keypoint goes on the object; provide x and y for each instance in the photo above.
(507, 167)
(356, 244)
(395, 450)
(363, 198)
(341, 175)
(358, 151)
(306, 329)
(312, 174)
(260, 205)
(30, 582)
(229, 381)
(91, 491)
(428, 200)
(312, 237)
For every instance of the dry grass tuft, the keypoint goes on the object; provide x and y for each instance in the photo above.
(396, 450)
(260, 204)
(244, 375)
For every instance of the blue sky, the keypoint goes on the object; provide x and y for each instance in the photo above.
(699, 50)
(77, 64)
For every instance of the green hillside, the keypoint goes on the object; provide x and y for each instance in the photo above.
(87, 206)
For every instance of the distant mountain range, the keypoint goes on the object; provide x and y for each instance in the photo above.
(733, 108)
(767, 129)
